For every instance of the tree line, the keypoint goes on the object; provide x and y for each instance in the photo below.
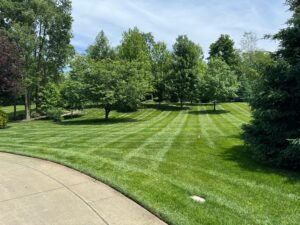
(122, 77)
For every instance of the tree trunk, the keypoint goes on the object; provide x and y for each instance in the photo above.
(15, 109)
(107, 111)
(214, 105)
(37, 101)
(27, 105)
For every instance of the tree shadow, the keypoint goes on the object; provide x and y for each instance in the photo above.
(212, 112)
(97, 121)
(164, 107)
(19, 116)
(245, 161)
(70, 117)
(5, 128)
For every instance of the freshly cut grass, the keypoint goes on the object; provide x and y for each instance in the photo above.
(160, 157)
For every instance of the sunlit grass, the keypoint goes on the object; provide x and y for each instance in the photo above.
(161, 156)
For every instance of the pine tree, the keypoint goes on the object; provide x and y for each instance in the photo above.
(273, 135)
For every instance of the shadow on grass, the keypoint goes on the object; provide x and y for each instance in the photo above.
(97, 121)
(19, 116)
(70, 117)
(164, 107)
(204, 112)
(245, 161)
(5, 128)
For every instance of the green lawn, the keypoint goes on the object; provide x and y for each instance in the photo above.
(160, 158)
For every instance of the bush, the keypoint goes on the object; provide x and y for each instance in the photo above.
(55, 114)
(3, 119)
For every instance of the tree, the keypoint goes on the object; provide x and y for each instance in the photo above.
(134, 84)
(289, 37)
(42, 30)
(111, 83)
(72, 94)
(224, 48)
(184, 78)
(10, 68)
(137, 46)
(273, 134)
(253, 65)
(101, 81)
(220, 82)
(161, 65)
(150, 42)
(134, 46)
(50, 97)
(100, 49)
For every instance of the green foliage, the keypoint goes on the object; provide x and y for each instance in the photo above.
(273, 135)
(291, 155)
(111, 83)
(101, 82)
(72, 94)
(3, 119)
(219, 82)
(290, 36)
(224, 49)
(42, 30)
(101, 49)
(50, 97)
(276, 113)
(55, 114)
(133, 85)
(183, 79)
(161, 65)
(253, 64)
(134, 47)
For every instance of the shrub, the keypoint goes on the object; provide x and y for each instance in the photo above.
(55, 114)
(3, 119)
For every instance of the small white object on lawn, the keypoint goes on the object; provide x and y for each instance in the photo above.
(198, 199)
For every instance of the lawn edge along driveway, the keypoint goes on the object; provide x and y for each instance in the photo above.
(34, 191)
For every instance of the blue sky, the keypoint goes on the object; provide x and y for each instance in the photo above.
(202, 20)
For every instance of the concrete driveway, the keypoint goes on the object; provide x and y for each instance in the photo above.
(37, 192)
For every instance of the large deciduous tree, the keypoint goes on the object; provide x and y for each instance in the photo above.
(161, 65)
(134, 46)
(224, 48)
(184, 75)
(113, 84)
(220, 82)
(273, 135)
(42, 30)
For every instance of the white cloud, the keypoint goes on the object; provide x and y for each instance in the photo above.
(203, 21)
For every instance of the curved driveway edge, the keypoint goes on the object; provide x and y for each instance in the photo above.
(38, 192)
